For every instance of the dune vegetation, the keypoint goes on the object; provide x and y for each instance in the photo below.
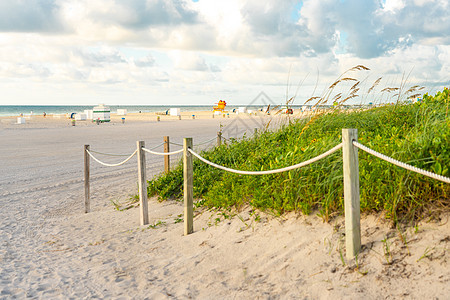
(415, 133)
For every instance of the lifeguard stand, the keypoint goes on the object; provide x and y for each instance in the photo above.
(220, 106)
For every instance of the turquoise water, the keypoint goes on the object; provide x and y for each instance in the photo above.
(15, 110)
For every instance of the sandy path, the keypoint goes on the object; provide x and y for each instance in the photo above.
(50, 249)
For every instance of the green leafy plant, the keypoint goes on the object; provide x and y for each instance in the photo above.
(386, 250)
(358, 267)
(426, 253)
(122, 207)
(154, 226)
(415, 133)
(179, 219)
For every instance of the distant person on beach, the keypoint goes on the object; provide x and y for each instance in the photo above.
(44, 114)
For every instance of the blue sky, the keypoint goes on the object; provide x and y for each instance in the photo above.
(155, 52)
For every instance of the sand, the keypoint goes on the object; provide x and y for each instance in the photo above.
(50, 249)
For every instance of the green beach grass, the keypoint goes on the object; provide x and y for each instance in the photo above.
(415, 133)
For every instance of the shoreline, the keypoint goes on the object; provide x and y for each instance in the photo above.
(57, 120)
(51, 109)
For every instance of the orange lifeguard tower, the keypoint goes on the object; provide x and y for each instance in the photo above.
(220, 106)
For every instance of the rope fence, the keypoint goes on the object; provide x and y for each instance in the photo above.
(107, 154)
(349, 146)
(402, 164)
(111, 154)
(111, 165)
(296, 166)
(162, 153)
(88, 153)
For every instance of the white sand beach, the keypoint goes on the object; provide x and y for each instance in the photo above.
(51, 249)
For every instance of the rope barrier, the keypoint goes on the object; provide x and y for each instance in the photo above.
(299, 165)
(110, 154)
(111, 165)
(162, 153)
(107, 154)
(401, 164)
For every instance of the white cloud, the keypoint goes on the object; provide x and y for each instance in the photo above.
(188, 61)
(230, 46)
(147, 61)
(30, 16)
(394, 5)
(97, 57)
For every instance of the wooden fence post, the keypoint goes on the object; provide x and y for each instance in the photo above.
(87, 196)
(219, 138)
(143, 204)
(188, 187)
(166, 157)
(351, 193)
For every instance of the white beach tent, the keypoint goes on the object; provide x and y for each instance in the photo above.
(175, 111)
(101, 113)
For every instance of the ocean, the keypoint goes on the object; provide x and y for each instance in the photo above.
(16, 110)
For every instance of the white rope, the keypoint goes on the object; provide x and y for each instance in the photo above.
(110, 154)
(302, 164)
(111, 165)
(401, 164)
(163, 153)
(107, 154)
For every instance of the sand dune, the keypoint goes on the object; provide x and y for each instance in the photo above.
(51, 249)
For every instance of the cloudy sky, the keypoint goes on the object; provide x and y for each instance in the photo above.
(154, 52)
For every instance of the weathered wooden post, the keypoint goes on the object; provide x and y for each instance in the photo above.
(143, 204)
(255, 132)
(166, 157)
(188, 173)
(351, 193)
(219, 138)
(87, 196)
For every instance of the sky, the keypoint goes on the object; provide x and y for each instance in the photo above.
(184, 52)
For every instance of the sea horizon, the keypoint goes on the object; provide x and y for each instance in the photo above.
(16, 110)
